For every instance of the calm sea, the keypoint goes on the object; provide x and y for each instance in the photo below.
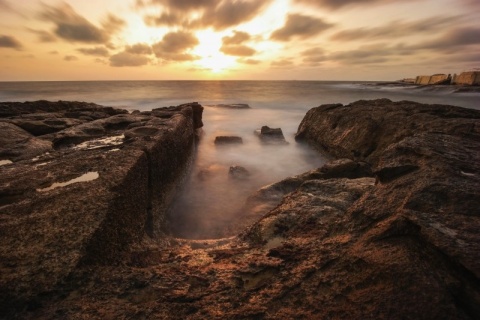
(211, 197)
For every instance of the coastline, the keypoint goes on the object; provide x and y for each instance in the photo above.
(356, 238)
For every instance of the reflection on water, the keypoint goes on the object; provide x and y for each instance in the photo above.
(213, 196)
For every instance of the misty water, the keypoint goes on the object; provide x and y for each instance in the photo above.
(211, 197)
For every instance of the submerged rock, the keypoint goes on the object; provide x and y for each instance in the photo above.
(271, 135)
(223, 140)
(238, 172)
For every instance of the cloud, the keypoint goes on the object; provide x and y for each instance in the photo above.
(4, 5)
(190, 14)
(127, 59)
(452, 40)
(70, 58)
(97, 51)
(238, 50)
(9, 42)
(113, 24)
(181, 4)
(249, 61)
(300, 26)
(232, 13)
(139, 48)
(397, 29)
(282, 63)
(53, 52)
(238, 37)
(368, 54)
(165, 19)
(43, 35)
(336, 4)
(174, 46)
(314, 56)
(69, 25)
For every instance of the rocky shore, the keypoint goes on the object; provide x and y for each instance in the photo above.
(389, 230)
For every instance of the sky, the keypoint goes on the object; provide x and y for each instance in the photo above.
(52, 40)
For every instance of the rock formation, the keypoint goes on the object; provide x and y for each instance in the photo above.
(388, 231)
(269, 135)
(47, 231)
(222, 140)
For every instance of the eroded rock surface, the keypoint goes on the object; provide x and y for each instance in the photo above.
(54, 216)
(388, 231)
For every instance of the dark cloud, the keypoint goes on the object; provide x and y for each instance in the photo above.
(166, 19)
(238, 37)
(249, 61)
(397, 29)
(70, 58)
(174, 46)
(452, 40)
(113, 24)
(139, 48)
(208, 13)
(97, 51)
(300, 26)
(53, 52)
(314, 56)
(4, 5)
(73, 27)
(43, 35)
(127, 59)
(368, 54)
(335, 4)
(9, 42)
(282, 63)
(238, 50)
(181, 4)
(231, 13)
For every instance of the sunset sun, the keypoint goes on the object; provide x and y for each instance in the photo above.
(208, 49)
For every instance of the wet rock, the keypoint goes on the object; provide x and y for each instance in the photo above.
(238, 172)
(271, 135)
(222, 140)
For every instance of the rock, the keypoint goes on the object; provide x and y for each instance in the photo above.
(17, 144)
(238, 172)
(271, 135)
(84, 205)
(338, 242)
(230, 106)
(222, 140)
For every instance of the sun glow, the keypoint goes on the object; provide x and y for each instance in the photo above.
(211, 58)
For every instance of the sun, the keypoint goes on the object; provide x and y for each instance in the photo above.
(211, 58)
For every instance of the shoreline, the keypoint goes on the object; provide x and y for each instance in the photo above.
(371, 226)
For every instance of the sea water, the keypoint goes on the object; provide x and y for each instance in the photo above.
(211, 197)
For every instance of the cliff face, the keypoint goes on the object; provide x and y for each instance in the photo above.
(390, 231)
(80, 192)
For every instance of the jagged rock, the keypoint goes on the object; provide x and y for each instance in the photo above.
(271, 135)
(222, 140)
(338, 243)
(238, 172)
(85, 205)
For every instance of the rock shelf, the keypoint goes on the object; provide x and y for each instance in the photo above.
(388, 230)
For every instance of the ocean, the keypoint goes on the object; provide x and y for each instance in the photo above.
(211, 197)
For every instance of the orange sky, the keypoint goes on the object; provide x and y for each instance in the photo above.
(237, 39)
